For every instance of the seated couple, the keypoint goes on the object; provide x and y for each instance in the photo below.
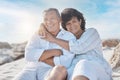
(68, 53)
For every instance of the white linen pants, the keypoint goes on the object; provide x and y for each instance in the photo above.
(36, 73)
(91, 69)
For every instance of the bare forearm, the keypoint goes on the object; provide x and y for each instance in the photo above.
(49, 61)
(50, 53)
(63, 43)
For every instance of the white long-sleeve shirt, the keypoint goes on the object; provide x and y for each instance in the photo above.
(36, 47)
(89, 47)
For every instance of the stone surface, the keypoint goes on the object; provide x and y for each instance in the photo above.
(110, 42)
(115, 60)
(5, 45)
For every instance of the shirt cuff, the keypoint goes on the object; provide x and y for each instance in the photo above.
(71, 45)
(57, 60)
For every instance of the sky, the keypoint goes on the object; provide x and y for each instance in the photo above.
(19, 19)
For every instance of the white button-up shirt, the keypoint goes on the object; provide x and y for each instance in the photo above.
(36, 46)
(89, 47)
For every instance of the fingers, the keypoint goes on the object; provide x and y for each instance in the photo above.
(42, 31)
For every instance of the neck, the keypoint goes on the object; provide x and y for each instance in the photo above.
(56, 33)
(78, 35)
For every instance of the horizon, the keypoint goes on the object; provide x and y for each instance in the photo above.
(20, 19)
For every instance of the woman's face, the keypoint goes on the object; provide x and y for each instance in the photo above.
(73, 26)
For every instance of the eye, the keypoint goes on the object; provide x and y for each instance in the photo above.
(68, 24)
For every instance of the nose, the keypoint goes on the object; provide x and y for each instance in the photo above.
(48, 21)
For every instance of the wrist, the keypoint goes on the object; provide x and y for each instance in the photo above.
(54, 40)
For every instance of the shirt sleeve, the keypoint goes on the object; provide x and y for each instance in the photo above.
(88, 41)
(65, 59)
(33, 51)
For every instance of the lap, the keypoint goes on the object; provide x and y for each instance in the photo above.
(33, 73)
(42, 73)
(26, 75)
(90, 69)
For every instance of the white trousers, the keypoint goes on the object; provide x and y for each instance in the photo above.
(33, 73)
(90, 69)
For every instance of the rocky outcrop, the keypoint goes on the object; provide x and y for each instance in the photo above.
(110, 42)
(115, 59)
(16, 52)
(5, 45)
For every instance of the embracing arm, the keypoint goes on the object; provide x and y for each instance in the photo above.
(50, 61)
(88, 41)
(35, 52)
(50, 53)
(63, 43)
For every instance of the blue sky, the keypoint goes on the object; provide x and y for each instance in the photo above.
(19, 19)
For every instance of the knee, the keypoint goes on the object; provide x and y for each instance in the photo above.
(60, 69)
(80, 77)
(58, 73)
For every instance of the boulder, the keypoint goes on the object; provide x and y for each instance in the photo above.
(5, 45)
(110, 42)
(115, 59)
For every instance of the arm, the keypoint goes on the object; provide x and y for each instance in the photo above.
(50, 61)
(89, 40)
(67, 57)
(50, 53)
(34, 50)
(47, 36)
(63, 43)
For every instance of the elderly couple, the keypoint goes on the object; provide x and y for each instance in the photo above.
(70, 53)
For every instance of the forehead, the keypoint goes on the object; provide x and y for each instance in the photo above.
(50, 13)
(72, 19)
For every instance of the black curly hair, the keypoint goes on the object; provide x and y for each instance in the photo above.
(68, 13)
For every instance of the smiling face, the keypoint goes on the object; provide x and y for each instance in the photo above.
(73, 26)
(73, 21)
(52, 22)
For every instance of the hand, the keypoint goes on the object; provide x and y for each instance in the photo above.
(57, 52)
(49, 61)
(44, 34)
(42, 30)
(49, 37)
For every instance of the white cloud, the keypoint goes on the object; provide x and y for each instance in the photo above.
(25, 24)
(113, 3)
(107, 23)
(27, 17)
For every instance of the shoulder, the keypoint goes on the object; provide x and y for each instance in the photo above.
(91, 29)
(35, 36)
(67, 35)
(66, 32)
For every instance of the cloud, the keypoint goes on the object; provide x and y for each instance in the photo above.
(24, 16)
(107, 23)
(24, 22)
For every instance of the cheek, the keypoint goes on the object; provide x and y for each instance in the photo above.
(68, 28)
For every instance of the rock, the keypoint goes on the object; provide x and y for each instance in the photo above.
(110, 42)
(5, 58)
(5, 45)
(19, 47)
(16, 52)
(115, 60)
